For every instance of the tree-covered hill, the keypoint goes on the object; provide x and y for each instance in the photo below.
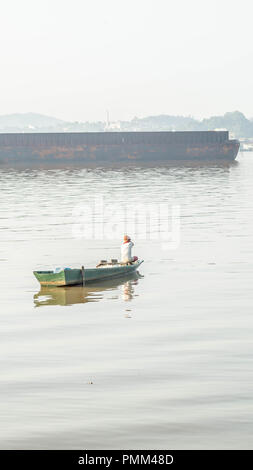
(235, 122)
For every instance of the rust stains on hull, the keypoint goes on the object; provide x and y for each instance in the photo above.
(115, 148)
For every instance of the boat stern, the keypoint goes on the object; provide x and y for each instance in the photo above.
(50, 278)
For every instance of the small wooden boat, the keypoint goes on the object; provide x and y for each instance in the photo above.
(71, 277)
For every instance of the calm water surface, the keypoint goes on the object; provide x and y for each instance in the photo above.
(162, 360)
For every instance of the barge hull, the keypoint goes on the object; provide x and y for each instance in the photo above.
(115, 148)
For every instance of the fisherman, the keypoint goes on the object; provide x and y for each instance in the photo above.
(126, 250)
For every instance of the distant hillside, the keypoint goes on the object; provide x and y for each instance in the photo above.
(28, 120)
(238, 125)
(235, 122)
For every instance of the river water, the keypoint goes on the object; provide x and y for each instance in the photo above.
(159, 360)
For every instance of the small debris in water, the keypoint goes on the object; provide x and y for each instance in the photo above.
(128, 315)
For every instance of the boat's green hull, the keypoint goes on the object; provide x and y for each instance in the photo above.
(71, 277)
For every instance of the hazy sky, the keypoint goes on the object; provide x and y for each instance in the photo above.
(76, 59)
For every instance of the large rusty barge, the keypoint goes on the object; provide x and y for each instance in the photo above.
(119, 148)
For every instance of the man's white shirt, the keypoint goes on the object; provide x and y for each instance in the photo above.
(126, 251)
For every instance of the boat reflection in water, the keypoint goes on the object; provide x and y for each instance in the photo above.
(92, 292)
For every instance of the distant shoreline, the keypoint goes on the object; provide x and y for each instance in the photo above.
(238, 125)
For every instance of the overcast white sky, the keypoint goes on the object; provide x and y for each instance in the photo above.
(76, 59)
